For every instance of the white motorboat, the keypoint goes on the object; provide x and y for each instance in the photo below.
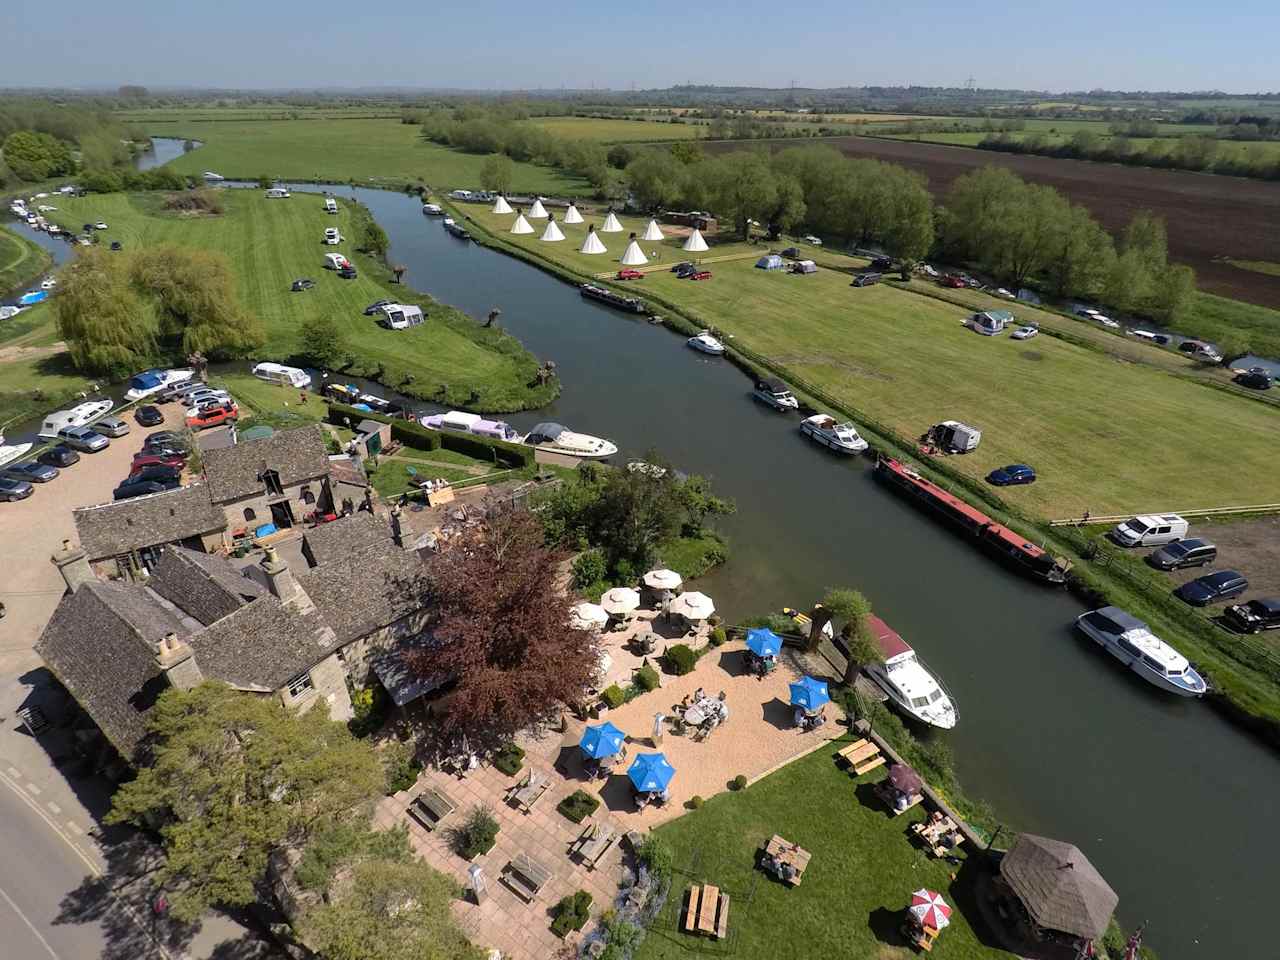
(1131, 642)
(459, 421)
(433, 209)
(78, 416)
(153, 381)
(907, 681)
(213, 177)
(841, 437)
(556, 438)
(12, 452)
(776, 395)
(706, 343)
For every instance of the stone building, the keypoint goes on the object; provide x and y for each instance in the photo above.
(276, 480)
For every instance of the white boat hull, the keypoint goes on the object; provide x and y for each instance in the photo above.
(599, 453)
(714, 349)
(82, 415)
(1141, 669)
(12, 453)
(171, 377)
(941, 720)
(830, 442)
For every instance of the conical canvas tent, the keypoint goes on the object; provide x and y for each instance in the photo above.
(695, 243)
(552, 232)
(500, 205)
(611, 224)
(537, 211)
(633, 256)
(572, 215)
(591, 244)
(521, 225)
(652, 232)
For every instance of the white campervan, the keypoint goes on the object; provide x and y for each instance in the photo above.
(330, 205)
(331, 236)
(1150, 531)
(285, 376)
(277, 193)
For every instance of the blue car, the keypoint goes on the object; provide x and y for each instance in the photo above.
(1012, 475)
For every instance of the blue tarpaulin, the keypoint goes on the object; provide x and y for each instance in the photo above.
(265, 530)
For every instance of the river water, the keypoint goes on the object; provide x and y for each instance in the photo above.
(1168, 800)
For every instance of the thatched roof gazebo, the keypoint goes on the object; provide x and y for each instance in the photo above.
(1059, 887)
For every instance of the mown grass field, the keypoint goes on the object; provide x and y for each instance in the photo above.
(616, 130)
(387, 151)
(21, 261)
(271, 242)
(854, 894)
(1109, 432)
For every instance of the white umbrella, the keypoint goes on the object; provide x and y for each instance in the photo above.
(692, 606)
(620, 600)
(589, 615)
(663, 580)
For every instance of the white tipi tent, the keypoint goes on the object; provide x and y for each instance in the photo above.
(537, 211)
(592, 243)
(521, 225)
(552, 233)
(652, 232)
(572, 215)
(611, 224)
(500, 205)
(634, 256)
(695, 243)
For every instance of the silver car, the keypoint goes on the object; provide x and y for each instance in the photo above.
(83, 439)
(111, 427)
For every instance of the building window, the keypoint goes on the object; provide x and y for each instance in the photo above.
(300, 685)
(272, 481)
(249, 515)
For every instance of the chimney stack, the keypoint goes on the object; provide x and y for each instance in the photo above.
(73, 564)
(279, 579)
(176, 658)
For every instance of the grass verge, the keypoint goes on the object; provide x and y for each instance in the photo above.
(21, 261)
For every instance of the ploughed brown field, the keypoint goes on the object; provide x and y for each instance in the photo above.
(1208, 216)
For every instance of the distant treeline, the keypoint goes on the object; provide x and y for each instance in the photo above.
(1188, 152)
(43, 139)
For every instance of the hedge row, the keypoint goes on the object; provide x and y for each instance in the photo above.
(415, 435)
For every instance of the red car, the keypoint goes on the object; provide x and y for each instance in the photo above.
(701, 275)
(954, 280)
(207, 417)
(630, 275)
(141, 460)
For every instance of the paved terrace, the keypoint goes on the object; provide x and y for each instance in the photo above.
(757, 739)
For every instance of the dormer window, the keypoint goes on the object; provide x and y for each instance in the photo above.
(271, 479)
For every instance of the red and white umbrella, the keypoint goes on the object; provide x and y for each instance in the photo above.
(930, 909)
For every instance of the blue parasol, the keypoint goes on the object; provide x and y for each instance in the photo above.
(809, 694)
(763, 642)
(650, 773)
(602, 741)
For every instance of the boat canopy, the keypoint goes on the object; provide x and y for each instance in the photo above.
(773, 386)
(146, 380)
(546, 432)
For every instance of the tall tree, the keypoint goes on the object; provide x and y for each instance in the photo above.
(657, 179)
(497, 172)
(37, 156)
(740, 187)
(321, 342)
(909, 232)
(109, 330)
(230, 777)
(852, 609)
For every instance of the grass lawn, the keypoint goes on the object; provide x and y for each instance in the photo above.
(343, 151)
(21, 261)
(618, 130)
(392, 478)
(854, 893)
(1099, 428)
(1226, 321)
(272, 242)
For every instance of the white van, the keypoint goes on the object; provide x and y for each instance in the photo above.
(277, 193)
(335, 261)
(285, 376)
(330, 205)
(1150, 531)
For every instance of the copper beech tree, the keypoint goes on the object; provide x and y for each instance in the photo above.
(500, 628)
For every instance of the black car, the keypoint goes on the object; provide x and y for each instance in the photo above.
(166, 438)
(1212, 587)
(1254, 616)
(30, 472)
(116, 245)
(15, 489)
(1254, 379)
(882, 263)
(348, 272)
(130, 489)
(149, 416)
(686, 265)
(373, 309)
(866, 279)
(304, 283)
(59, 456)
(1192, 552)
(156, 472)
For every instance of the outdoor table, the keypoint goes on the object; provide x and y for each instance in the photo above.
(783, 851)
(702, 710)
(430, 807)
(707, 909)
(596, 841)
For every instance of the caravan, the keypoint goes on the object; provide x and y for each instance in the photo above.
(401, 316)
(330, 205)
(277, 193)
(285, 376)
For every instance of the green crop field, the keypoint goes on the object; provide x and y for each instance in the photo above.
(617, 130)
(342, 151)
(1097, 425)
(272, 242)
(265, 111)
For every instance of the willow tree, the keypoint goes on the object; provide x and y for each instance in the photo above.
(108, 327)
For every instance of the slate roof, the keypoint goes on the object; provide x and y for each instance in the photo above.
(343, 470)
(262, 645)
(346, 536)
(99, 644)
(112, 529)
(359, 593)
(206, 587)
(235, 472)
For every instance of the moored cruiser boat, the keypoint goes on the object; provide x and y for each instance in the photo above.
(776, 395)
(706, 343)
(555, 438)
(841, 437)
(11, 452)
(458, 421)
(153, 381)
(1131, 642)
(433, 209)
(213, 177)
(451, 226)
(78, 416)
(907, 681)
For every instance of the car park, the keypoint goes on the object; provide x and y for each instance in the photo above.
(15, 489)
(59, 456)
(31, 471)
(1191, 552)
(1254, 378)
(1254, 616)
(375, 308)
(111, 427)
(1026, 333)
(1014, 474)
(1212, 588)
(148, 416)
(83, 439)
(129, 489)
(302, 283)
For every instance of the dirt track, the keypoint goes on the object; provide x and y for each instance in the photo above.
(1208, 216)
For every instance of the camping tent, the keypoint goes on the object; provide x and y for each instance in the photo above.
(770, 261)
(634, 256)
(804, 266)
(695, 243)
(500, 205)
(611, 224)
(652, 232)
(592, 243)
(552, 233)
(572, 215)
(537, 211)
(991, 322)
(521, 225)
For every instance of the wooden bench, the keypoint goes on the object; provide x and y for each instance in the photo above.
(722, 918)
(529, 792)
(525, 877)
(430, 807)
(691, 911)
(868, 762)
(595, 842)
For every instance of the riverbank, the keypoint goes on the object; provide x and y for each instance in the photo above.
(21, 262)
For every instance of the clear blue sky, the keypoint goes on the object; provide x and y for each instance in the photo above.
(1147, 44)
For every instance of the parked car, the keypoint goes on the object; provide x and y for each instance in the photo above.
(15, 489)
(1254, 616)
(700, 275)
(167, 438)
(148, 416)
(375, 308)
(32, 472)
(59, 456)
(683, 265)
(816, 241)
(954, 280)
(1149, 531)
(302, 283)
(169, 394)
(866, 279)
(882, 263)
(83, 439)
(630, 274)
(791, 253)
(331, 236)
(129, 489)
(1192, 552)
(1255, 379)
(1012, 475)
(111, 427)
(100, 225)
(685, 270)
(1212, 587)
(117, 245)
(170, 459)
(207, 417)
(158, 472)
(348, 272)
(1026, 333)
(200, 398)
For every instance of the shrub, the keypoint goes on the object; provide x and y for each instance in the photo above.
(401, 765)
(718, 636)
(680, 659)
(509, 759)
(369, 709)
(695, 803)
(571, 913)
(578, 806)
(613, 696)
(477, 834)
(646, 678)
(194, 201)
(656, 855)
(738, 783)
(588, 567)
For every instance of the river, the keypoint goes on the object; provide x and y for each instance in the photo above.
(1166, 798)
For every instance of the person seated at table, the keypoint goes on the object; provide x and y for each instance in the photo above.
(787, 871)
(799, 717)
(698, 695)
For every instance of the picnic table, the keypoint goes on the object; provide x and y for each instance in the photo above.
(595, 842)
(707, 911)
(430, 807)
(782, 851)
(529, 792)
(935, 831)
(698, 712)
(862, 755)
(525, 877)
